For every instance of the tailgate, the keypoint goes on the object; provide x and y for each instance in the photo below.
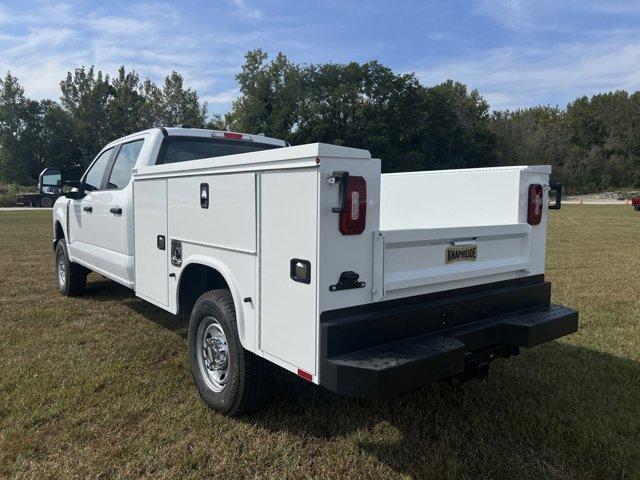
(406, 260)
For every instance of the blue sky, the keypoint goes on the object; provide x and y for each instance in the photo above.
(517, 53)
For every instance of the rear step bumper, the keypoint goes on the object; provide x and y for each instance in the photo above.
(465, 344)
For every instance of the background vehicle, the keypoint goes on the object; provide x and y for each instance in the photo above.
(308, 258)
(636, 203)
(49, 189)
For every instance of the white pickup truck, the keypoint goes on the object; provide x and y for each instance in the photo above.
(307, 257)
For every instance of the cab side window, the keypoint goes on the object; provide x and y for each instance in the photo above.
(93, 177)
(123, 165)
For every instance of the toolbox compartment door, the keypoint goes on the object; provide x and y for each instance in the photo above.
(407, 262)
(151, 242)
(288, 232)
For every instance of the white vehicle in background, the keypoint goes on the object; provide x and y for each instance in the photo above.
(308, 258)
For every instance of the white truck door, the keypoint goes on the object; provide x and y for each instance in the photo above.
(288, 227)
(81, 216)
(112, 214)
(151, 244)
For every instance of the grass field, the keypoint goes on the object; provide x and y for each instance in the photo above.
(99, 386)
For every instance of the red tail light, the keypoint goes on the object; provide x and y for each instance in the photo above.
(354, 216)
(535, 204)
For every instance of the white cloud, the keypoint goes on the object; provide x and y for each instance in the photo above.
(512, 14)
(516, 77)
(35, 40)
(244, 11)
(42, 43)
(615, 8)
(119, 25)
(222, 97)
(498, 100)
(47, 14)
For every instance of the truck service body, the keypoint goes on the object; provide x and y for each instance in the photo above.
(309, 258)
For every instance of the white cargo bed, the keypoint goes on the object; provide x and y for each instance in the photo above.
(423, 213)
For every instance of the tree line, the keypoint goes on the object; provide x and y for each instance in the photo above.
(592, 144)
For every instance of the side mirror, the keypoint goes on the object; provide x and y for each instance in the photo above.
(556, 188)
(50, 181)
(73, 184)
(77, 189)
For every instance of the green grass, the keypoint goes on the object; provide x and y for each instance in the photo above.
(99, 386)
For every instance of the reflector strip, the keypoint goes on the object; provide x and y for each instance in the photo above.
(355, 205)
(306, 375)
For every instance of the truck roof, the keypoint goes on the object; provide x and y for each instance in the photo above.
(184, 131)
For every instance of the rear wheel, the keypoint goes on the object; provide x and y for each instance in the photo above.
(636, 208)
(229, 378)
(71, 276)
(46, 202)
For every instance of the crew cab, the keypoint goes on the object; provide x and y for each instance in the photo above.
(308, 258)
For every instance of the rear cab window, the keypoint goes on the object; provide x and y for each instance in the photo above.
(176, 149)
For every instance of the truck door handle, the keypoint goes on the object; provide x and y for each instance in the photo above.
(88, 209)
(116, 210)
(343, 179)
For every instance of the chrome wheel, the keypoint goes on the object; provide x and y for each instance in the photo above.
(213, 357)
(61, 268)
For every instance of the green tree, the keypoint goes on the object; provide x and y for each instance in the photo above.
(181, 105)
(16, 119)
(58, 148)
(86, 96)
(126, 104)
(151, 114)
(270, 96)
(364, 105)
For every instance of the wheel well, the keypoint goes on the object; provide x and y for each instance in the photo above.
(59, 234)
(194, 281)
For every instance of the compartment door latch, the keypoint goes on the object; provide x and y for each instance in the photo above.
(347, 281)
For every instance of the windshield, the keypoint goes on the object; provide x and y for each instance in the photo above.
(181, 149)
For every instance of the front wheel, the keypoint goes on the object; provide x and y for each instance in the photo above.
(229, 378)
(72, 277)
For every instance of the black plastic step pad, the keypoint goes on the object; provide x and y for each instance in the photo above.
(536, 326)
(411, 362)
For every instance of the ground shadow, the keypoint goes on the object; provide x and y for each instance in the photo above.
(555, 411)
(104, 290)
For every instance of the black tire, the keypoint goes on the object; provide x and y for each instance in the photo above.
(46, 202)
(636, 208)
(247, 378)
(74, 279)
